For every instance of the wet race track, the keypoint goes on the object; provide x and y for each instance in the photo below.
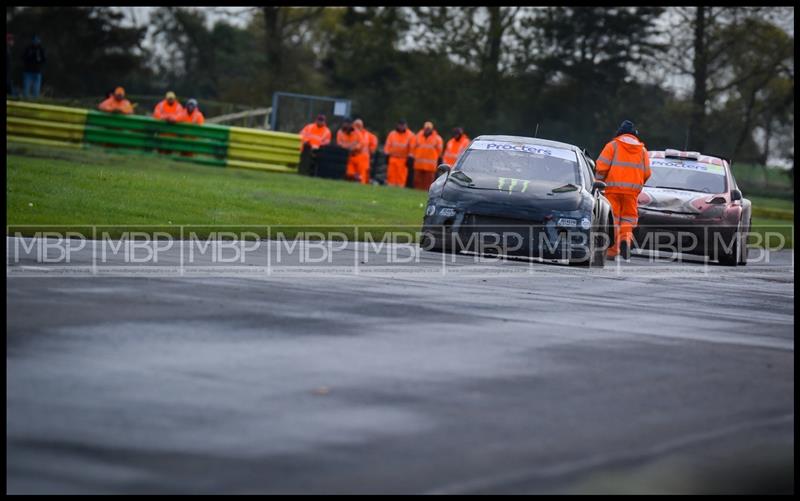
(355, 375)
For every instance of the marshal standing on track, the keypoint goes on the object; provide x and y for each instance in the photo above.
(624, 166)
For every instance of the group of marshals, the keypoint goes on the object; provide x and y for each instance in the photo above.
(407, 153)
(168, 109)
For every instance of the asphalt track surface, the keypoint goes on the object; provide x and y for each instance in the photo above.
(493, 376)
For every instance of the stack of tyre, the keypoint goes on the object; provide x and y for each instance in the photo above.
(331, 162)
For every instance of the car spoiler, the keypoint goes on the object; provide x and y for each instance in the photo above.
(723, 157)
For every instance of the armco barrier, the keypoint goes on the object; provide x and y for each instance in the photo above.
(210, 144)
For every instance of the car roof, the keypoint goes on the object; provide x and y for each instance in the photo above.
(530, 140)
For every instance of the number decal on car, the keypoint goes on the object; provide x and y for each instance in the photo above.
(501, 182)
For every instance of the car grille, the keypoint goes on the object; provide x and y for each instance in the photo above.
(510, 236)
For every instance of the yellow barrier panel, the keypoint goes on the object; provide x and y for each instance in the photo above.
(46, 112)
(263, 150)
(255, 153)
(41, 142)
(44, 129)
(259, 166)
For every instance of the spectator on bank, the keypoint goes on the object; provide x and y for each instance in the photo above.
(9, 80)
(33, 59)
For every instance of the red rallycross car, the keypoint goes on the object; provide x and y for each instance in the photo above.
(691, 204)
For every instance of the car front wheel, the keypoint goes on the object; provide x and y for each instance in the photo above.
(738, 249)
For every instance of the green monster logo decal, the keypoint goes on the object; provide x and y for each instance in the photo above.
(501, 182)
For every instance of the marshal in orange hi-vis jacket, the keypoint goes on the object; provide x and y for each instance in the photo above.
(399, 146)
(427, 150)
(355, 141)
(624, 166)
(317, 133)
(455, 146)
(168, 109)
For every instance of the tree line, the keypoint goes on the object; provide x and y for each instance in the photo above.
(715, 79)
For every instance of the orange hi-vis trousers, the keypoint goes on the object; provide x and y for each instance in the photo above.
(626, 216)
(397, 171)
(358, 164)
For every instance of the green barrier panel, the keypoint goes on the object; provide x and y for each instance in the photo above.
(149, 142)
(215, 162)
(171, 154)
(152, 126)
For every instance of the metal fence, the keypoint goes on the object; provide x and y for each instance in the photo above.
(291, 112)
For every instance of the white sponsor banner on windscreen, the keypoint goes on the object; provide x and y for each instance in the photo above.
(524, 148)
(688, 165)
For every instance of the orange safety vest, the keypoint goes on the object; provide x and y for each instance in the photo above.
(315, 135)
(195, 117)
(427, 151)
(623, 165)
(164, 110)
(111, 105)
(399, 144)
(353, 141)
(454, 148)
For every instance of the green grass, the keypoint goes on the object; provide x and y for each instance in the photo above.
(771, 203)
(55, 187)
(764, 228)
(773, 215)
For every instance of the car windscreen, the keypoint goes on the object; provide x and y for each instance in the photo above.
(519, 161)
(686, 175)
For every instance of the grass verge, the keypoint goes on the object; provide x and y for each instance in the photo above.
(52, 187)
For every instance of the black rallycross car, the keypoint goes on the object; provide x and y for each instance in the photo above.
(520, 196)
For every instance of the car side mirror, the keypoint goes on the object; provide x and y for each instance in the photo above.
(736, 195)
(598, 186)
(442, 170)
